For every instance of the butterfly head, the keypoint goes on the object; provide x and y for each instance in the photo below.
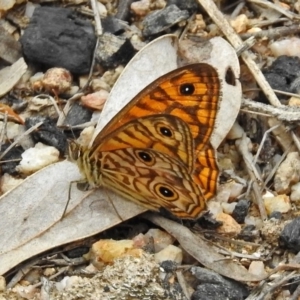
(75, 151)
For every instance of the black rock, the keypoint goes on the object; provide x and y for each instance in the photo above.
(113, 50)
(213, 286)
(47, 133)
(248, 233)
(163, 19)
(241, 210)
(276, 215)
(123, 10)
(207, 221)
(290, 236)
(293, 284)
(190, 5)
(78, 115)
(77, 252)
(112, 25)
(282, 74)
(169, 266)
(13, 158)
(56, 37)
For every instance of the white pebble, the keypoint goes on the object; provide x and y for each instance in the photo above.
(2, 284)
(161, 239)
(279, 203)
(288, 47)
(12, 129)
(214, 207)
(295, 195)
(257, 268)
(37, 158)
(236, 132)
(228, 207)
(101, 9)
(140, 8)
(229, 224)
(8, 182)
(287, 173)
(256, 221)
(240, 23)
(171, 252)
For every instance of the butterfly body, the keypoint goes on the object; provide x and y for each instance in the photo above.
(156, 151)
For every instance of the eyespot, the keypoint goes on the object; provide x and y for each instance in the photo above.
(229, 77)
(187, 89)
(166, 192)
(165, 131)
(144, 156)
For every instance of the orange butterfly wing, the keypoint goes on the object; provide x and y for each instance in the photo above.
(191, 93)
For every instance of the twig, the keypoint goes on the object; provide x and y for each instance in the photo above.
(296, 294)
(275, 7)
(58, 111)
(296, 140)
(183, 285)
(33, 128)
(273, 32)
(282, 113)
(99, 30)
(64, 113)
(262, 143)
(3, 130)
(271, 174)
(254, 176)
(238, 9)
(266, 289)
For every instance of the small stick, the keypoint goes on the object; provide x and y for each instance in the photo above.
(277, 8)
(33, 128)
(262, 143)
(273, 32)
(254, 176)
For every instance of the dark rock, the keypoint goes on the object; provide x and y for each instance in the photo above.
(123, 10)
(190, 5)
(56, 37)
(290, 236)
(113, 50)
(169, 266)
(13, 158)
(163, 19)
(16, 103)
(276, 215)
(282, 74)
(78, 115)
(293, 284)
(207, 221)
(249, 233)
(47, 133)
(241, 210)
(113, 25)
(212, 286)
(77, 252)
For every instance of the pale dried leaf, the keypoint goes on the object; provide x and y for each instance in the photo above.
(10, 76)
(31, 214)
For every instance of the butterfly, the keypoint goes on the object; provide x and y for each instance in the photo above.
(156, 151)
